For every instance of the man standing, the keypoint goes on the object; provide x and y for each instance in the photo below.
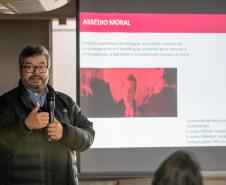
(26, 154)
(127, 106)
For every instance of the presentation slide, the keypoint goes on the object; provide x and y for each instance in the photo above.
(152, 80)
(160, 75)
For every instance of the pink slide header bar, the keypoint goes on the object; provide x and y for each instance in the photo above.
(157, 23)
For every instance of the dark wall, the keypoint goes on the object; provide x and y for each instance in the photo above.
(14, 36)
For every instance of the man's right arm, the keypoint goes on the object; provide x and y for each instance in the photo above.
(15, 126)
(37, 120)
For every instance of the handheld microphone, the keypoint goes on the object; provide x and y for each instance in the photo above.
(51, 107)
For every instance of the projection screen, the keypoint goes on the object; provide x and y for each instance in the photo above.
(152, 80)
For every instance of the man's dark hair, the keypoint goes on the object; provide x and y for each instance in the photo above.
(180, 168)
(133, 79)
(31, 51)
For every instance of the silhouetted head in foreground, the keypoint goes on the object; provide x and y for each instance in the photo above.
(180, 168)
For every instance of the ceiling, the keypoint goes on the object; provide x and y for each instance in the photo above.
(21, 9)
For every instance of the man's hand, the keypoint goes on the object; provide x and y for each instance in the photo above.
(37, 120)
(55, 130)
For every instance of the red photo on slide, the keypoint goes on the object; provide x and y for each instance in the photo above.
(128, 92)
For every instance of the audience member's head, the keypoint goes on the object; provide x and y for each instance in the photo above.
(180, 168)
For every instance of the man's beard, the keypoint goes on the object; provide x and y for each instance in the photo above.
(38, 88)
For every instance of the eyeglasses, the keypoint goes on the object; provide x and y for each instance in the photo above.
(30, 68)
